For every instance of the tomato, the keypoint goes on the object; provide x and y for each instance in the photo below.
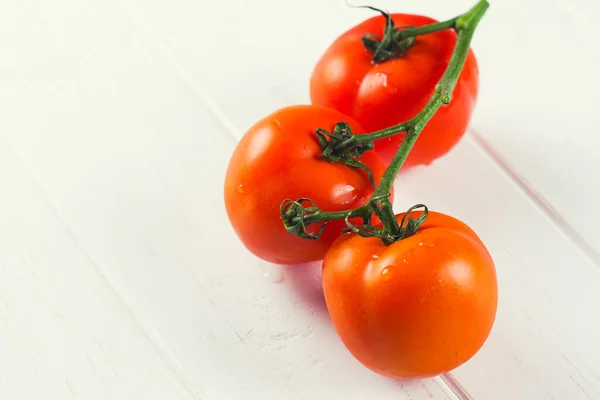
(391, 92)
(280, 158)
(418, 307)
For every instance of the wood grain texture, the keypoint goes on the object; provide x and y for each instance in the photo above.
(117, 122)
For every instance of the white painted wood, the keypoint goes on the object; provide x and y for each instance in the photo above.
(64, 333)
(541, 117)
(122, 116)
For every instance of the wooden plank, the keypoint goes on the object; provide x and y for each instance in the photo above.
(64, 333)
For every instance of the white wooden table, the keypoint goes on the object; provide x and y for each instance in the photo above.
(117, 119)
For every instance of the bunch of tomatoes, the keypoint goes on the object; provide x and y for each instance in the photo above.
(416, 305)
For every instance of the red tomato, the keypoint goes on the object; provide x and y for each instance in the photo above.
(280, 158)
(381, 95)
(417, 308)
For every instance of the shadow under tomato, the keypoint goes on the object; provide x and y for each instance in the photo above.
(305, 282)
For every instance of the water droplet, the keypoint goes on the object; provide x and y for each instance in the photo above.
(420, 244)
(240, 188)
(375, 257)
(405, 261)
(272, 272)
(274, 276)
(388, 273)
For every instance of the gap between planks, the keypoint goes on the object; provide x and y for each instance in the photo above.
(529, 191)
(155, 341)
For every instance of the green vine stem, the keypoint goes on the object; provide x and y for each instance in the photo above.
(296, 217)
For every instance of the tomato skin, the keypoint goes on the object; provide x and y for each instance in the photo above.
(385, 94)
(280, 158)
(417, 308)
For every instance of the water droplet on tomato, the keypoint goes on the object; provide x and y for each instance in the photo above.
(375, 257)
(420, 244)
(388, 273)
(240, 188)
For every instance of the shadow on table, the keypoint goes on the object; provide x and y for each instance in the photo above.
(305, 282)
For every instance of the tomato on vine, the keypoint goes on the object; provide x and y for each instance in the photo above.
(418, 307)
(411, 295)
(381, 76)
(282, 157)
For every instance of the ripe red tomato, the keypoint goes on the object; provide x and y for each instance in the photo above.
(280, 158)
(385, 94)
(418, 307)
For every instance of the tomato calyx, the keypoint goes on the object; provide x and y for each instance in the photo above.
(392, 231)
(341, 146)
(393, 42)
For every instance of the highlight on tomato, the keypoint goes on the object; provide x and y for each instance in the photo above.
(418, 307)
(380, 79)
(281, 157)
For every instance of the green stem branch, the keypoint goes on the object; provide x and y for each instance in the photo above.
(465, 26)
(431, 28)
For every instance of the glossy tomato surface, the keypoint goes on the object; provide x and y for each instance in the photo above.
(385, 94)
(417, 308)
(280, 158)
